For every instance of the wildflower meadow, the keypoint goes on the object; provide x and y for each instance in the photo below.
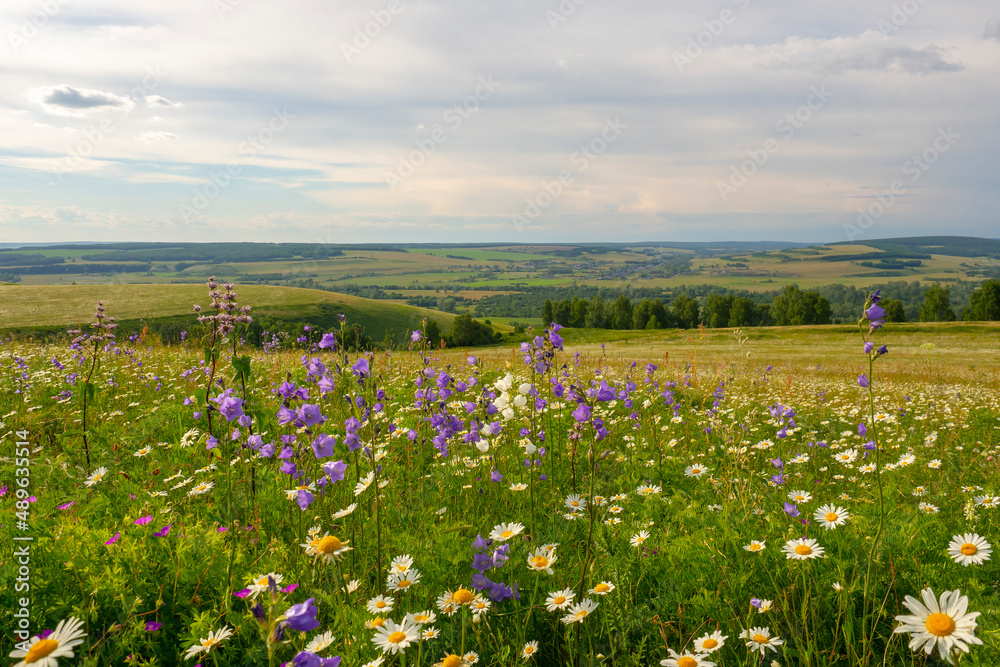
(212, 503)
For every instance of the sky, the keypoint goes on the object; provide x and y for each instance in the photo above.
(485, 121)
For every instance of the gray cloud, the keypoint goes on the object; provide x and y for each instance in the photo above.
(66, 100)
(865, 53)
(992, 30)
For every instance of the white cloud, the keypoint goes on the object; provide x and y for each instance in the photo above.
(158, 101)
(155, 136)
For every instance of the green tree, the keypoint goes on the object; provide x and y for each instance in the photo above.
(716, 312)
(984, 304)
(548, 317)
(795, 307)
(621, 313)
(660, 313)
(466, 332)
(937, 305)
(596, 317)
(581, 308)
(686, 312)
(642, 313)
(743, 313)
(894, 311)
(433, 333)
(563, 312)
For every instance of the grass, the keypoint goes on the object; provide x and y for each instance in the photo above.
(651, 507)
(73, 305)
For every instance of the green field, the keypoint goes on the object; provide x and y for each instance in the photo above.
(691, 482)
(25, 306)
(398, 273)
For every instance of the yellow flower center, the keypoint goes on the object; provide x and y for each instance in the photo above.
(575, 503)
(507, 533)
(210, 642)
(262, 581)
(540, 562)
(709, 643)
(378, 622)
(397, 637)
(528, 650)
(803, 550)
(329, 545)
(581, 614)
(831, 517)
(463, 596)
(452, 661)
(420, 618)
(754, 547)
(940, 625)
(559, 599)
(380, 604)
(97, 478)
(686, 661)
(799, 498)
(602, 588)
(969, 549)
(403, 583)
(761, 639)
(41, 649)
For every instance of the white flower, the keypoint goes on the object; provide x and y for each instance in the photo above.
(43, 652)
(686, 659)
(321, 642)
(760, 639)
(578, 612)
(505, 531)
(97, 476)
(969, 549)
(393, 637)
(944, 624)
(802, 549)
(215, 637)
(710, 643)
(830, 516)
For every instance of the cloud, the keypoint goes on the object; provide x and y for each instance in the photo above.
(155, 136)
(66, 100)
(992, 30)
(156, 101)
(868, 52)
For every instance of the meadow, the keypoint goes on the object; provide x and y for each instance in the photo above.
(777, 496)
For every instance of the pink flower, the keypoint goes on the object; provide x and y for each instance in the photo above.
(113, 539)
(143, 520)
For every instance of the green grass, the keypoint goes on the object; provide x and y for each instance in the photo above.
(24, 306)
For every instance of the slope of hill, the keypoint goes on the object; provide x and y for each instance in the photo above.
(30, 306)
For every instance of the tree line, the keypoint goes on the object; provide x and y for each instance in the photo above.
(790, 306)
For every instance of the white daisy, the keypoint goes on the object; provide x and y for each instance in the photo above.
(214, 639)
(97, 476)
(578, 612)
(43, 652)
(321, 642)
(969, 549)
(560, 599)
(760, 639)
(944, 624)
(710, 643)
(802, 549)
(830, 516)
(505, 531)
(393, 637)
(686, 659)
